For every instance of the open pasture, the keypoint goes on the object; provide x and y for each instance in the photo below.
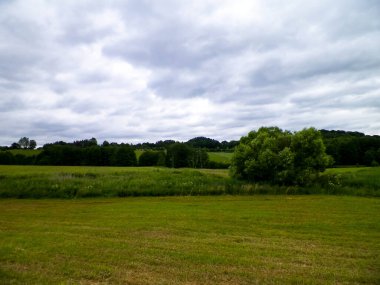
(191, 240)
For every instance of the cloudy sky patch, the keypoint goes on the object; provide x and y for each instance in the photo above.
(134, 71)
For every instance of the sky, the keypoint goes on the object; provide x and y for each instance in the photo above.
(136, 71)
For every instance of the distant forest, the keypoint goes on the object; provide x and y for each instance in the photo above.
(346, 148)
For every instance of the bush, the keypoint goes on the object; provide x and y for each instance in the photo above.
(280, 157)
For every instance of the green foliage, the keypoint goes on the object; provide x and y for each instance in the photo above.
(6, 158)
(24, 142)
(352, 148)
(152, 158)
(87, 152)
(32, 144)
(280, 157)
(178, 155)
(203, 142)
(124, 156)
(199, 158)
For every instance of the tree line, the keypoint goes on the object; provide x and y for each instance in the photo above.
(198, 143)
(88, 152)
(345, 148)
(352, 148)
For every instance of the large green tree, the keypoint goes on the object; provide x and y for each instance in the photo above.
(178, 155)
(276, 156)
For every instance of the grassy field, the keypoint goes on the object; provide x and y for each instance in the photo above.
(363, 179)
(191, 240)
(138, 153)
(84, 181)
(74, 181)
(26, 152)
(222, 157)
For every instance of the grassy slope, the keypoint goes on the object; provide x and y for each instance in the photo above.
(26, 152)
(366, 178)
(222, 157)
(138, 153)
(191, 240)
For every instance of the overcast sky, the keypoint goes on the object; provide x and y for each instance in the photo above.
(134, 71)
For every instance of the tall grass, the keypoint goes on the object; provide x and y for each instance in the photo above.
(70, 182)
(75, 182)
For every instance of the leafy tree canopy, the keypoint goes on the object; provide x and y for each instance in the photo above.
(203, 142)
(276, 156)
(24, 142)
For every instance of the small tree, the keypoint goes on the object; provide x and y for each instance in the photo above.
(199, 158)
(281, 157)
(15, 146)
(24, 142)
(32, 144)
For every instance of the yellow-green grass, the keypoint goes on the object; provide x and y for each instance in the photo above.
(340, 170)
(221, 157)
(87, 181)
(191, 240)
(366, 178)
(26, 152)
(138, 153)
(13, 170)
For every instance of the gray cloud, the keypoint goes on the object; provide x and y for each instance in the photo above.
(147, 70)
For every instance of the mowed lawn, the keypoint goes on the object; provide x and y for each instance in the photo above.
(191, 240)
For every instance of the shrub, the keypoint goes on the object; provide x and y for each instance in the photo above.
(280, 157)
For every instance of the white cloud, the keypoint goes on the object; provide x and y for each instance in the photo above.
(145, 70)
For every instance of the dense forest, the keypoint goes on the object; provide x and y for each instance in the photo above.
(88, 152)
(352, 148)
(345, 147)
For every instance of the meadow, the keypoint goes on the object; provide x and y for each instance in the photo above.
(87, 181)
(222, 157)
(207, 229)
(191, 240)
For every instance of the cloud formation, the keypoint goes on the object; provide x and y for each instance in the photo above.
(138, 71)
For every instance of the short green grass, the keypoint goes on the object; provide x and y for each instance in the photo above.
(221, 157)
(191, 240)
